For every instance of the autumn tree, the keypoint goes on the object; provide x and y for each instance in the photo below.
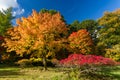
(81, 42)
(41, 34)
(90, 25)
(52, 12)
(109, 34)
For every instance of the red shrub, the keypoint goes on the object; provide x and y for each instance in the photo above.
(80, 60)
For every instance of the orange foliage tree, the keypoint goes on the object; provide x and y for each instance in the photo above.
(81, 42)
(41, 34)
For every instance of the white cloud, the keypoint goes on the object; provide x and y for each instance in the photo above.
(18, 12)
(4, 4)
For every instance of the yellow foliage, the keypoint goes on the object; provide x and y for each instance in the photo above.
(40, 31)
(114, 52)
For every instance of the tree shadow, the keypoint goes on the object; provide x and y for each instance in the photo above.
(113, 71)
(116, 73)
(9, 71)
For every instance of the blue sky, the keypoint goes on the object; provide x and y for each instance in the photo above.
(70, 9)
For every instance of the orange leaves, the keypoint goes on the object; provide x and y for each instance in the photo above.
(40, 31)
(81, 42)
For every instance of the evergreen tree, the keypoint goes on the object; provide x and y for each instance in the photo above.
(5, 20)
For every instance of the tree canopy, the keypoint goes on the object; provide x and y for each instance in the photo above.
(109, 34)
(45, 35)
(42, 33)
(81, 42)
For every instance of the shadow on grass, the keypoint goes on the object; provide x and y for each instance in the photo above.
(103, 73)
(113, 71)
(9, 71)
(116, 72)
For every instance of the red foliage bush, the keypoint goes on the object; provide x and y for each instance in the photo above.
(81, 60)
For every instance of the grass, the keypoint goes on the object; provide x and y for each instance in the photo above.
(29, 73)
(36, 73)
(115, 72)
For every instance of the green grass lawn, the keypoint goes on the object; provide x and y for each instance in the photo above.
(33, 73)
(115, 72)
(36, 73)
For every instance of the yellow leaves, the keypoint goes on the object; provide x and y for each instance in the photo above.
(39, 31)
(34, 14)
(111, 18)
(116, 12)
(112, 29)
(114, 52)
(18, 21)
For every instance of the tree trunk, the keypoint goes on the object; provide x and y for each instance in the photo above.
(44, 63)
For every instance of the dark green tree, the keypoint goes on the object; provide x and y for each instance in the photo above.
(91, 26)
(5, 20)
(49, 11)
(75, 26)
